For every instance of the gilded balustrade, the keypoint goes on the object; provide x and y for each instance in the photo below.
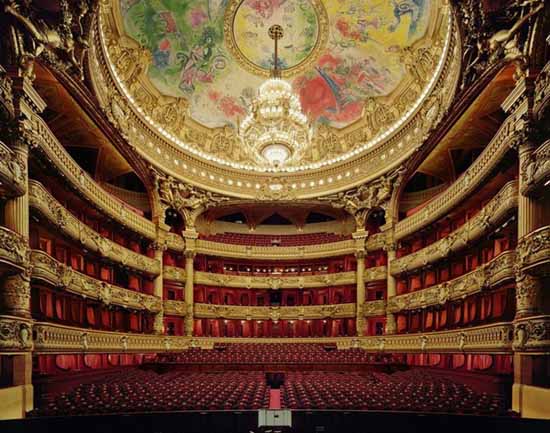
(48, 269)
(54, 338)
(492, 214)
(48, 143)
(374, 308)
(272, 281)
(497, 270)
(275, 253)
(68, 224)
(533, 251)
(335, 311)
(466, 184)
(175, 308)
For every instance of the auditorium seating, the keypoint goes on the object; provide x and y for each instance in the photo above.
(258, 240)
(135, 390)
(413, 390)
(276, 353)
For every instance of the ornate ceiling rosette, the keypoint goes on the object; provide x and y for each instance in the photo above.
(168, 78)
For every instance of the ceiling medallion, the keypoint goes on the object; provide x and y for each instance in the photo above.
(276, 130)
(306, 23)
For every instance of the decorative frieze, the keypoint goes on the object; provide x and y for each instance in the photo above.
(13, 172)
(487, 338)
(542, 91)
(15, 334)
(493, 213)
(58, 339)
(47, 205)
(219, 249)
(14, 248)
(532, 334)
(76, 177)
(535, 169)
(534, 251)
(274, 313)
(374, 308)
(46, 268)
(496, 271)
(175, 308)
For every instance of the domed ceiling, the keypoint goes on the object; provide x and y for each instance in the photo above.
(217, 53)
(179, 79)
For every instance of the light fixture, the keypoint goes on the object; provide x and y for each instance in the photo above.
(276, 130)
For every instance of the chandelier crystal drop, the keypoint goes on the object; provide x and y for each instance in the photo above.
(276, 130)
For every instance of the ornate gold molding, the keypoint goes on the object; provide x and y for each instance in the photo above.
(470, 180)
(335, 311)
(532, 334)
(542, 91)
(491, 214)
(497, 270)
(14, 249)
(535, 170)
(55, 338)
(46, 268)
(374, 308)
(534, 252)
(13, 172)
(68, 224)
(54, 151)
(175, 308)
(275, 253)
(15, 334)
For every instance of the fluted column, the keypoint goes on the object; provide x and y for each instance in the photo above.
(158, 324)
(16, 292)
(189, 291)
(391, 290)
(359, 320)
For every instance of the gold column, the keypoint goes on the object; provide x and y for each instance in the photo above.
(158, 325)
(189, 287)
(15, 299)
(528, 287)
(359, 320)
(391, 291)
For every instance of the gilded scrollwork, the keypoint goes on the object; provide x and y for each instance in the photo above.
(491, 214)
(48, 269)
(44, 202)
(15, 334)
(532, 333)
(499, 269)
(274, 313)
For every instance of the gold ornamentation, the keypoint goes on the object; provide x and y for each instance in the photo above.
(15, 334)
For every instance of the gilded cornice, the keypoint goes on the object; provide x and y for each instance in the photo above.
(13, 172)
(533, 252)
(174, 308)
(48, 269)
(68, 224)
(509, 132)
(335, 311)
(376, 242)
(275, 253)
(395, 145)
(491, 214)
(14, 248)
(374, 308)
(54, 338)
(497, 270)
(54, 151)
(535, 170)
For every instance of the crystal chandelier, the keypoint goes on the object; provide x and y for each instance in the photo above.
(276, 130)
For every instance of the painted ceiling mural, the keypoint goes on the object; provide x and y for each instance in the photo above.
(216, 53)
